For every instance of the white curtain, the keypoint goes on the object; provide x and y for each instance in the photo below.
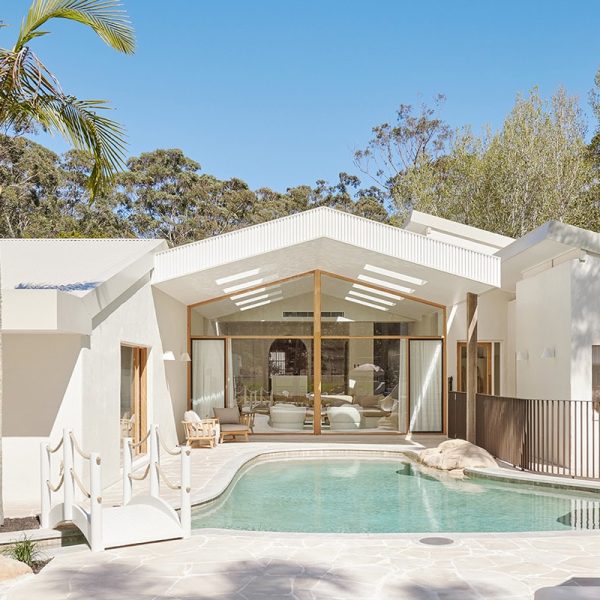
(208, 376)
(232, 374)
(402, 386)
(425, 385)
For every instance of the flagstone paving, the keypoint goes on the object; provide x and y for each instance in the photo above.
(253, 565)
(249, 566)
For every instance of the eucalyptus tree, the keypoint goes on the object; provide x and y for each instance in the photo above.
(31, 95)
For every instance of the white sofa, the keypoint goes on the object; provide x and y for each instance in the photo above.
(346, 417)
(287, 416)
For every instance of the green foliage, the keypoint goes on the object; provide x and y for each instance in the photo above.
(26, 551)
(536, 168)
(30, 95)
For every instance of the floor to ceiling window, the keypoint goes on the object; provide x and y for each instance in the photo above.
(372, 362)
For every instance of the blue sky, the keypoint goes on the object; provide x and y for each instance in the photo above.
(281, 93)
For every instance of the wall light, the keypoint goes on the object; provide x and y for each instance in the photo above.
(185, 357)
(168, 355)
(522, 355)
(549, 352)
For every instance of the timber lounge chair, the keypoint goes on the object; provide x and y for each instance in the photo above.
(232, 423)
(201, 431)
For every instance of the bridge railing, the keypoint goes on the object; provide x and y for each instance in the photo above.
(156, 474)
(53, 513)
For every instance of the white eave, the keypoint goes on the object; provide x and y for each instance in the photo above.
(544, 245)
(321, 238)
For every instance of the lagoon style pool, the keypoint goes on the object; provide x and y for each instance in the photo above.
(347, 495)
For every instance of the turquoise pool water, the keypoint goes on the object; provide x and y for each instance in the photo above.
(387, 496)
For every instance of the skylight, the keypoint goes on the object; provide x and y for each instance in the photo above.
(381, 282)
(371, 298)
(237, 276)
(369, 304)
(256, 298)
(260, 303)
(395, 275)
(242, 286)
(365, 288)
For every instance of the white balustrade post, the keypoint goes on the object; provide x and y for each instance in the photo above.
(154, 459)
(45, 491)
(127, 464)
(96, 529)
(69, 484)
(185, 514)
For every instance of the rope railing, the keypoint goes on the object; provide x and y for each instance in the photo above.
(57, 447)
(80, 485)
(77, 448)
(170, 484)
(142, 441)
(140, 477)
(175, 452)
(55, 488)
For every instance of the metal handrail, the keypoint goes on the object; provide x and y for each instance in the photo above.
(84, 455)
(171, 485)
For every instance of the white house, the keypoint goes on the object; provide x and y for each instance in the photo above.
(107, 336)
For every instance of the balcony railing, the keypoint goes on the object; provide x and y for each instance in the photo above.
(552, 437)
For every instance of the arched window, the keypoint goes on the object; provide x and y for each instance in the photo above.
(288, 357)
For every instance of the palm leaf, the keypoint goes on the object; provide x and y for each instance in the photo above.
(105, 17)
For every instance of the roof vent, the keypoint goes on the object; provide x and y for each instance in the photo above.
(287, 314)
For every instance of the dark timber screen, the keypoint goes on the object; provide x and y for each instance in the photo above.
(553, 437)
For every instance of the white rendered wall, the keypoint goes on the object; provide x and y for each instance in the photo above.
(136, 320)
(41, 395)
(56, 381)
(585, 332)
(542, 320)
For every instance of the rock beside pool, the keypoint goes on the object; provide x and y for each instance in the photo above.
(453, 455)
(11, 568)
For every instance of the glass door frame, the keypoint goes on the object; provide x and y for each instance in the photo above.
(139, 394)
(316, 339)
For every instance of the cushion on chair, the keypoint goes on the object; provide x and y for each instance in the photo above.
(234, 427)
(227, 415)
(369, 401)
(191, 416)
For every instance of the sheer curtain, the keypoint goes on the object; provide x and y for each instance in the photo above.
(208, 376)
(425, 385)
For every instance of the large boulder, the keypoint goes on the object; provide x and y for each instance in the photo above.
(11, 568)
(456, 454)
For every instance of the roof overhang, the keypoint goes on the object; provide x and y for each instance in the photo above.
(329, 240)
(543, 245)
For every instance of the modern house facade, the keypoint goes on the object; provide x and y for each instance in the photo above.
(320, 323)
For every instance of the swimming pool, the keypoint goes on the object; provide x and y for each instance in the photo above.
(388, 496)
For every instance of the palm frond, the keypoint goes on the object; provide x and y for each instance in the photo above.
(105, 17)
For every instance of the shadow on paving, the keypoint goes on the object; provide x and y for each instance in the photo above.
(243, 580)
(451, 591)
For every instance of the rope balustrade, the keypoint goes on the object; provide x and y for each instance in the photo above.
(140, 477)
(80, 485)
(171, 485)
(55, 488)
(84, 455)
(175, 452)
(142, 441)
(57, 447)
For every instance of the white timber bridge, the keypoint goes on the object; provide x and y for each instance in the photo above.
(140, 519)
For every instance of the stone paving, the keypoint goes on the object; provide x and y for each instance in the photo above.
(253, 565)
(249, 566)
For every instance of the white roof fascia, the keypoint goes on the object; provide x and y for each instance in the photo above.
(561, 233)
(456, 233)
(43, 311)
(329, 223)
(103, 295)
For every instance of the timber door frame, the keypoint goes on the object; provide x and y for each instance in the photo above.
(139, 394)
